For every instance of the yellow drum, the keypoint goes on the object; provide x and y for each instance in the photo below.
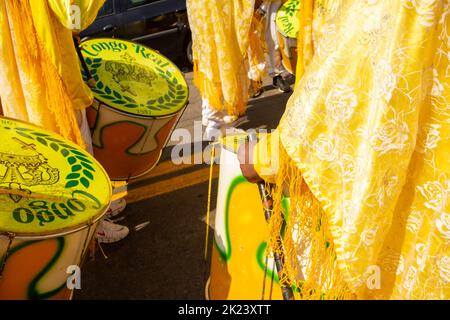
(51, 196)
(288, 26)
(140, 96)
(239, 252)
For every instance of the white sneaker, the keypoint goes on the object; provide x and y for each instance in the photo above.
(108, 232)
(115, 208)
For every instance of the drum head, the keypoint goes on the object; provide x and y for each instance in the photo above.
(48, 185)
(287, 19)
(134, 79)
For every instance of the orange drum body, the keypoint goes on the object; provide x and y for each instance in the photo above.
(140, 96)
(37, 267)
(128, 146)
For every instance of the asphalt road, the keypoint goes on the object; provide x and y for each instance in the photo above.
(163, 258)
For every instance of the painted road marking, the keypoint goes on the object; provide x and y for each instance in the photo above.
(170, 185)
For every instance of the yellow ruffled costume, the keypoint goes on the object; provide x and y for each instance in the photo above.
(40, 79)
(220, 37)
(364, 148)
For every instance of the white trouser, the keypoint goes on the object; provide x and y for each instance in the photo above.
(214, 117)
(275, 65)
(85, 131)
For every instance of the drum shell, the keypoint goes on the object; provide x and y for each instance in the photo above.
(127, 145)
(238, 253)
(36, 266)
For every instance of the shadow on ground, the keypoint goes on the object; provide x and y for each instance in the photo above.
(164, 260)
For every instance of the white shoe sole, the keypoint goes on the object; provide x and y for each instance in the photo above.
(111, 240)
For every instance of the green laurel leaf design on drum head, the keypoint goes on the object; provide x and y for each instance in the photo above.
(85, 182)
(54, 146)
(73, 176)
(76, 168)
(107, 90)
(25, 135)
(125, 72)
(72, 184)
(75, 158)
(64, 152)
(88, 174)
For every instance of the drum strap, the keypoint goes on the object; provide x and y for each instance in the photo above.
(11, 237)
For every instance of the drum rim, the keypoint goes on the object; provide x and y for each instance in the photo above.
(58, 232)
(158, 53)
(224, 146)
(68, 230)
(133, 115)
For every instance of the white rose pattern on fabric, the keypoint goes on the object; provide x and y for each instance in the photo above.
(369, 128)
(341, 102)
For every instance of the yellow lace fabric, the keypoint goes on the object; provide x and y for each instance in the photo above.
(220, 37)
(40, 79)
(366, 140)
(256, 55)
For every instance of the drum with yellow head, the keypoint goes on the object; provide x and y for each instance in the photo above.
(139, 96)
(52, 194)
(288, 25)
(239, 268)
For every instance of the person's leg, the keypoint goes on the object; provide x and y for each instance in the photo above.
(213, 120)
(118, 202)
(276, 68)
(85, 131)
(216, 121)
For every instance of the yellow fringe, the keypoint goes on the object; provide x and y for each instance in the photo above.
(32, 54)
(306, 227)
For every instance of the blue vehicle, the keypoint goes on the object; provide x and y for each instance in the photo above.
(159, 24)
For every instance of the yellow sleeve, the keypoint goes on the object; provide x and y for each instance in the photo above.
(66, 12)
(266, 156)
(58, 42)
